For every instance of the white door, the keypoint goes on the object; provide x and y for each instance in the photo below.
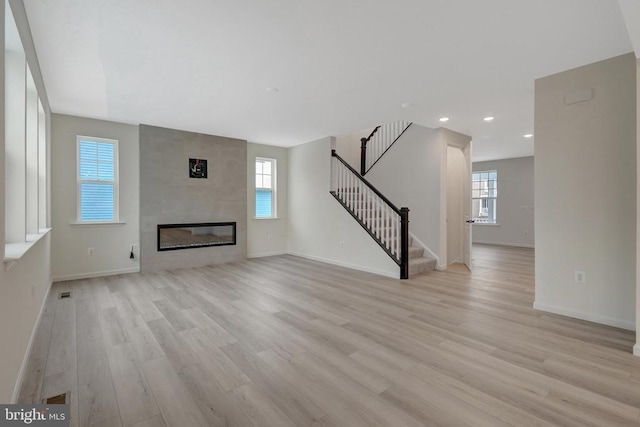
(466, 207)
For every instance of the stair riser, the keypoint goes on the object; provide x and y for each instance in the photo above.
(415, 252)
(421, 267)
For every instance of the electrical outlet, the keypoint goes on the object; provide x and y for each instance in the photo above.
(91, 251)
(580, 277)
(134, 248)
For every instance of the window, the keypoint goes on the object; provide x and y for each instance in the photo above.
(265, 188)
(25, 150)
(484, 194)
(97, 179)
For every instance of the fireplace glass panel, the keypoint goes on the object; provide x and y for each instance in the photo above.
(186, 236)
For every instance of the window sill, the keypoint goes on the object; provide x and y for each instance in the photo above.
(14, 251)
(487, 223)
(76, 223)
(263, 218)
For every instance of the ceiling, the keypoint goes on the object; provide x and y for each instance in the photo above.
(334, 66)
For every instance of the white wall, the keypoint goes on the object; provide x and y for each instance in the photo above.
(112, 243)
(267, 236)
(25, 283)
(636, 348)
(455, 190)
(585, 192)
(319, 227)
(515, 216)
(413, 174)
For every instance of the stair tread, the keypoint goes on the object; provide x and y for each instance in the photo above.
(421, 260)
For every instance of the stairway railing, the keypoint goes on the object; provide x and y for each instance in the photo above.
(388, 225)
(374, 146)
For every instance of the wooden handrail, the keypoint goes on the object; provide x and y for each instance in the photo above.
(389, 134)
(373, 132)
(367, 183)
(363, 151)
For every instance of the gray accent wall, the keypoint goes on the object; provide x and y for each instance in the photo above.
(169, 196)
(515, 217)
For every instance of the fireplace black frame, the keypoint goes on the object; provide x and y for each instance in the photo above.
(195, 225)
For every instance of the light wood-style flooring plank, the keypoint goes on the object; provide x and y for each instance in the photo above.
(135, 400)
(173, 398)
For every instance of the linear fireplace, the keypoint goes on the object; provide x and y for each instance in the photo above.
(187, 236)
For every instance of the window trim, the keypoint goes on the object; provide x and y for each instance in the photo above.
(274, 187)
(116, 181)
(495, 222)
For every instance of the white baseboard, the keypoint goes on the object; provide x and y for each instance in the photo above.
(516, 245)
(636, 350)
(27, 354)
(265, 254)
(96, 274)
(352, 266)
(610, 321)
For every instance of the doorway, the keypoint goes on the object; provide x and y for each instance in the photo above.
(458, 204)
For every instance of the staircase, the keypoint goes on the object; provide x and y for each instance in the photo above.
(385, 223)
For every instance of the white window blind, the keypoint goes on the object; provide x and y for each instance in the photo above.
(97, 179)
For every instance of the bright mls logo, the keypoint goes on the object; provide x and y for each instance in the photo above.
(34, 415)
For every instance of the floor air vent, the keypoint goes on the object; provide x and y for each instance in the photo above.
(65, 295)
(60, 399)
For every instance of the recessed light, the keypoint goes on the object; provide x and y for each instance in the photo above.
(528, 135)
(444, 119)
(489, 118)
(272, 90)
(406, 105)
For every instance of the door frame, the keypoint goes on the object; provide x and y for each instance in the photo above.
(465, 144)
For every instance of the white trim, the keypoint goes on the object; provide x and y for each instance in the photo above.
(636, 350)
(610, 321)
(96, 274)
(491, 224)
(265, 254)
(515, 245)
(347, 265)
(274, 186)
(14, 251)
(27, 354)
(74, 223)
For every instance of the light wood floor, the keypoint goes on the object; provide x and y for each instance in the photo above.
(285, 341)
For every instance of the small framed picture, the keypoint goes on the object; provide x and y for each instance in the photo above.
(197, 168)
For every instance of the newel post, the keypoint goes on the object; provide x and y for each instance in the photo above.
(404, 243)
(363, 156)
